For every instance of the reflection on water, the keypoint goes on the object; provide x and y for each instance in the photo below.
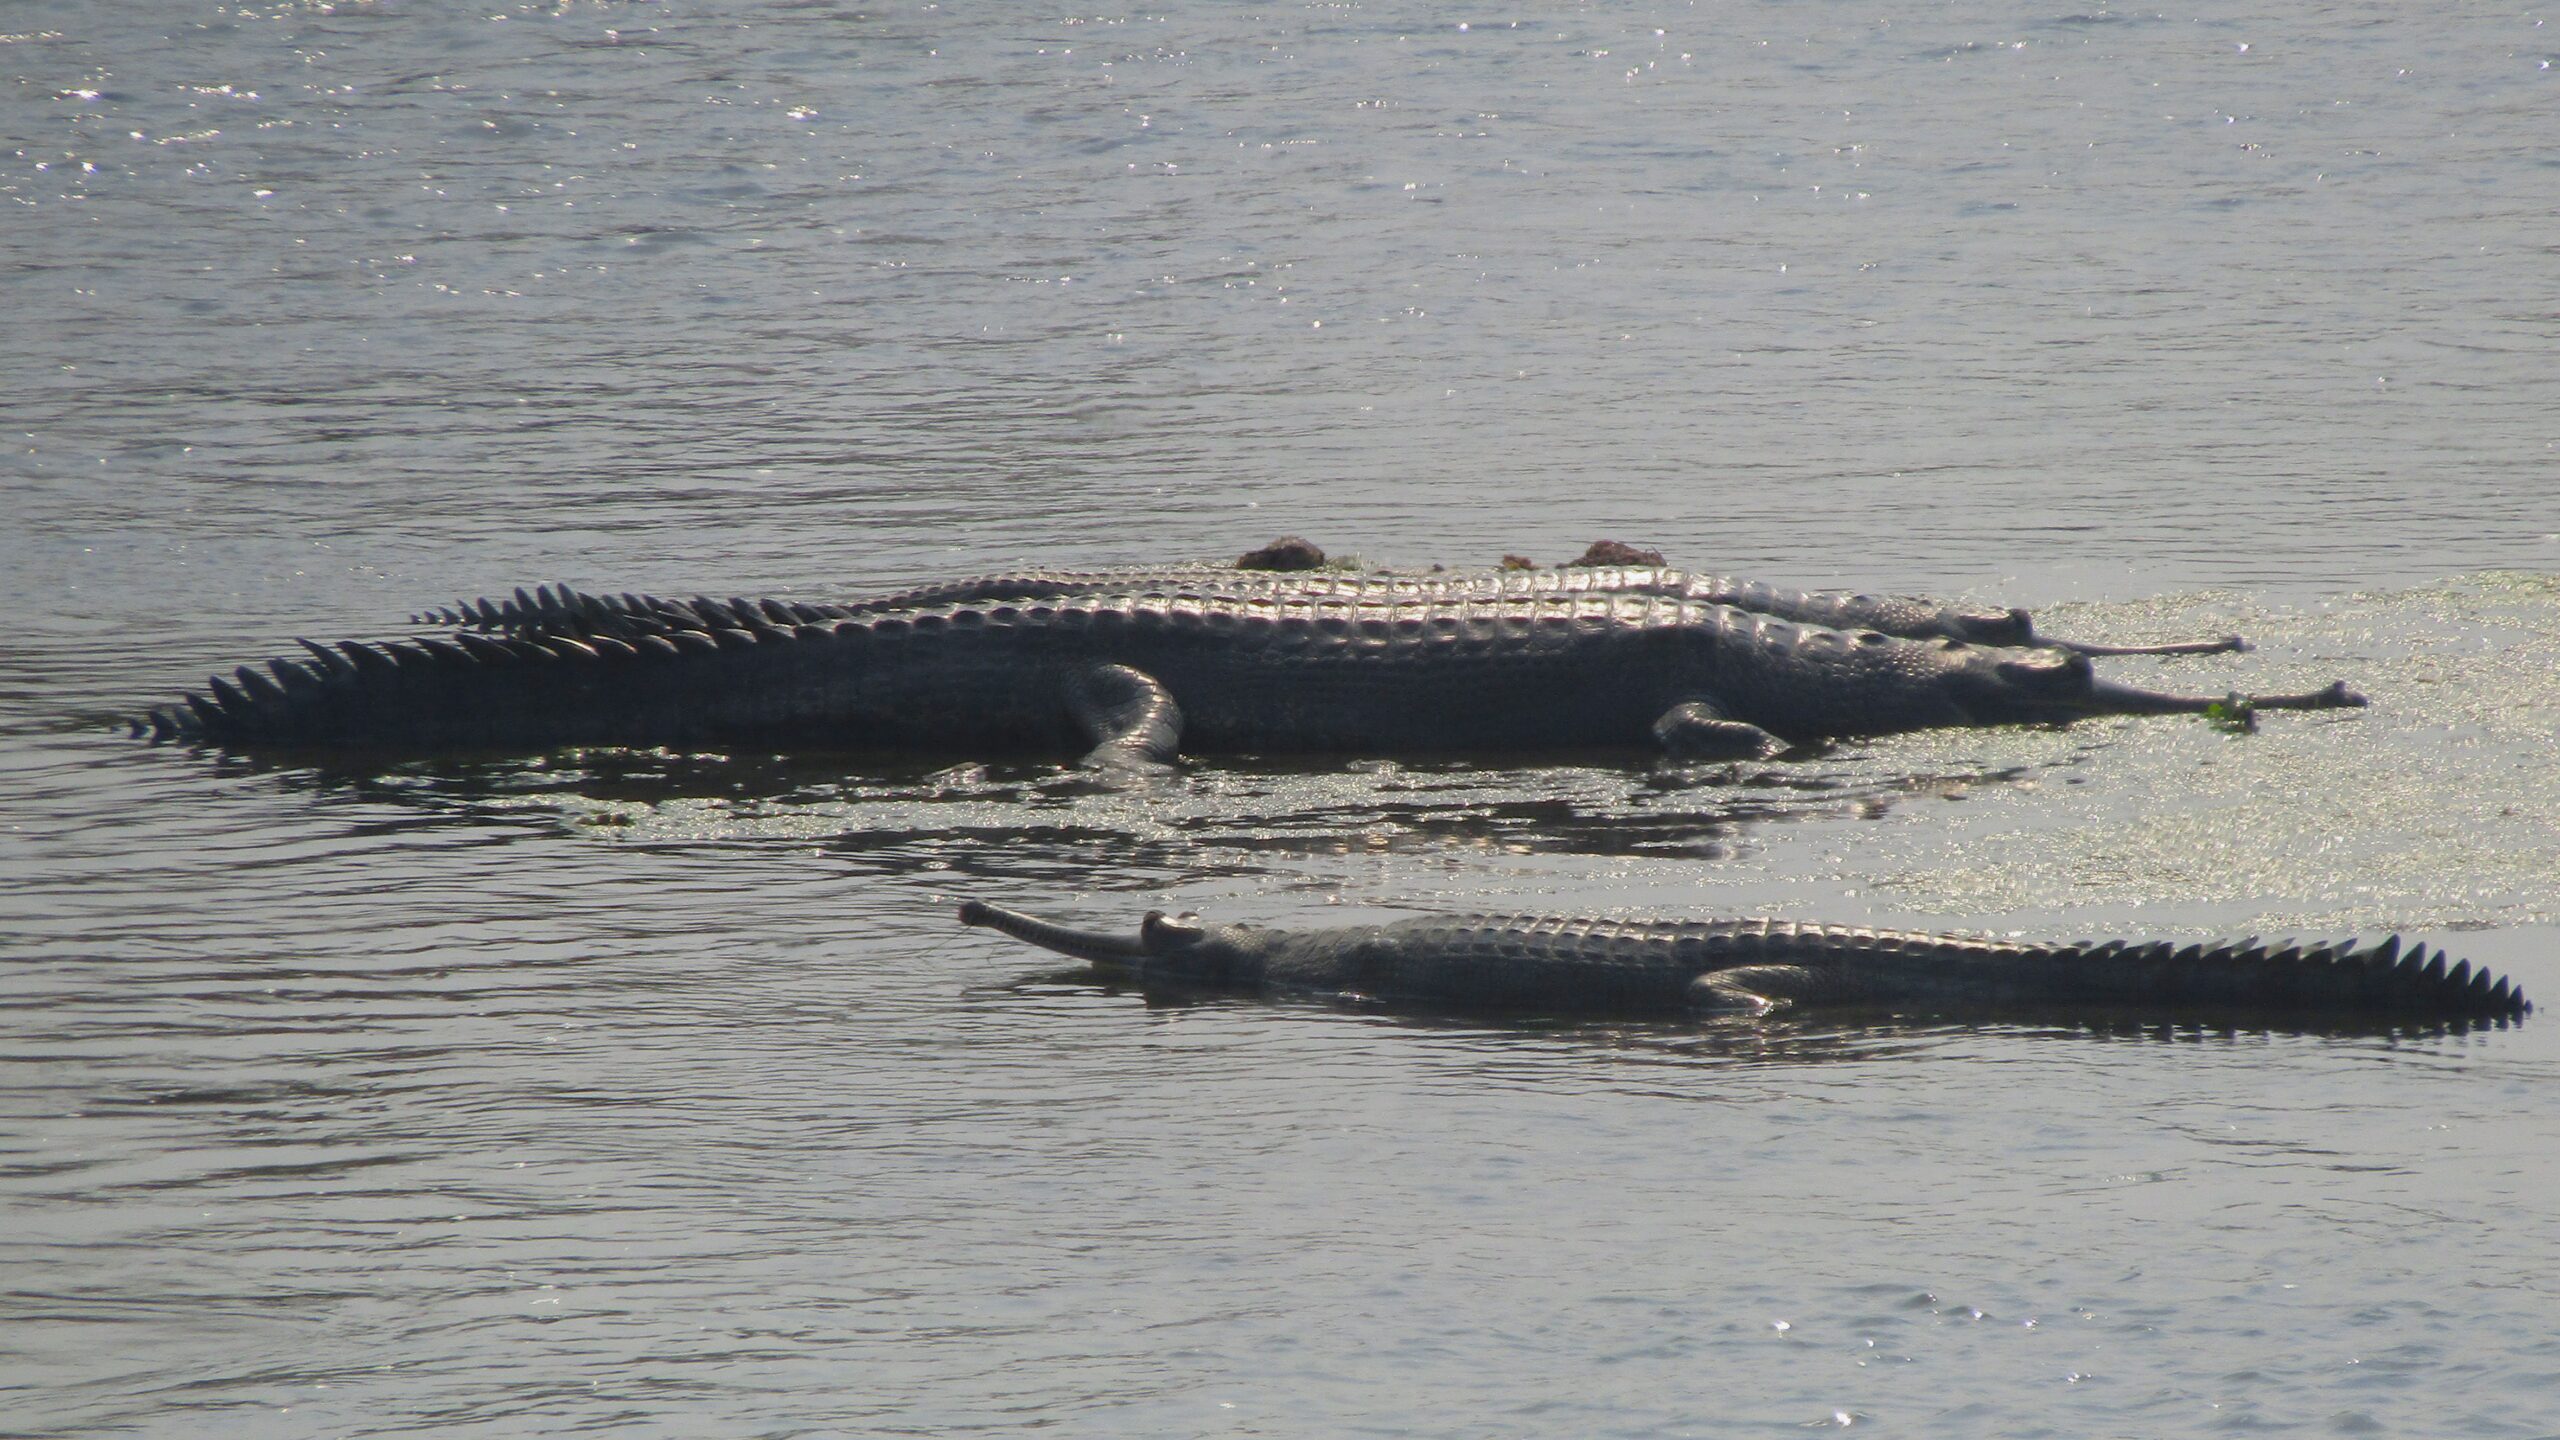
(887, 814)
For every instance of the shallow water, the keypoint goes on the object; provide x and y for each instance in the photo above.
(659, 1094)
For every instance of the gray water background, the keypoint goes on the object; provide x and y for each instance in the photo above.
(657, 1095)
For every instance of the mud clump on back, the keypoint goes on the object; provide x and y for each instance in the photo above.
(1614, 552)
(1289, 552)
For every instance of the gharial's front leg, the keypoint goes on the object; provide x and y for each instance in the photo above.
(1700, 730)
(1129, 716)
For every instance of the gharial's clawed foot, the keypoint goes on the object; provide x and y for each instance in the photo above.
(2334, 696)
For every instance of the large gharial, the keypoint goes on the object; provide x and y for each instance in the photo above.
(1526, 964)
(1135, 680)
(561, 609)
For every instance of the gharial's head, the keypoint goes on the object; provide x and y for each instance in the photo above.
(2006, 687)
(2053, 685)
(1174, 948)
(1992, 627)
(2015, 627)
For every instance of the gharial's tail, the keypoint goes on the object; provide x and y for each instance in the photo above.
(2156, 976)
(2382, 979)
(505, 692)
(564, 610)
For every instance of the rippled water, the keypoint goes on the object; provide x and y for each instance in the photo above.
(654, 1094)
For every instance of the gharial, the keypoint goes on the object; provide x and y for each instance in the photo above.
(1590, 967)
(561, 609)
(1138, 679)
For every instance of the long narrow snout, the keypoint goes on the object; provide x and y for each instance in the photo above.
(2015, 627)
(1090, 945)
(2222, 645)
(2107, 697)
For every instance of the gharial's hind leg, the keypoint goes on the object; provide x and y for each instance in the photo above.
(1749, 989)
(1128, 714)
(1699, 731)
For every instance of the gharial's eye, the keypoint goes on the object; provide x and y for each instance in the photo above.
(2049, 670)
(1159, 930)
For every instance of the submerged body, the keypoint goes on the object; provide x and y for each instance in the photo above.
(1548, 965)
(1139, 679)
(562, 610)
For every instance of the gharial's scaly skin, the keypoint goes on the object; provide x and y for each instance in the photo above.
(1140, 679)
(562, 610)
(1551, 965)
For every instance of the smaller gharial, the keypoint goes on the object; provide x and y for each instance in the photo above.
(1546, 965)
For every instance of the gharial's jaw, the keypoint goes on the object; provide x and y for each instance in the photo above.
(1109, 951)
(2059, 686)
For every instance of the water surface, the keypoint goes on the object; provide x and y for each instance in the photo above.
(656, 1094)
